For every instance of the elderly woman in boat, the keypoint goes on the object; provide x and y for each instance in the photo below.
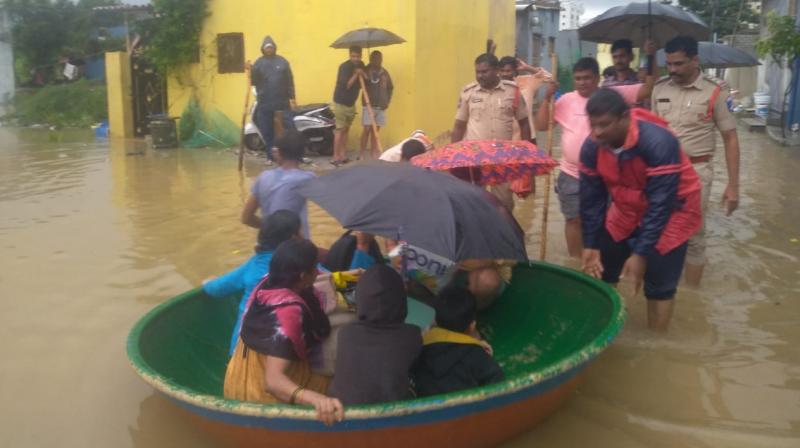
(280, 338)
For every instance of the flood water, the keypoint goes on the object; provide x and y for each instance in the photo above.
(94, 234)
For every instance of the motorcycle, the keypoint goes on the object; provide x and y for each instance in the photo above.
(314, 121)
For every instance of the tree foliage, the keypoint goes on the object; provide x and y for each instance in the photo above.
(173, 36)
(727, 12)
(43, 31)
(783, 40)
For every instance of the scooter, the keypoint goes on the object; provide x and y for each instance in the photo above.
(314, 121)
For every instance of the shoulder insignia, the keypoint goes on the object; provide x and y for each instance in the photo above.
(470, 86)
(508, 83)
(716, 81)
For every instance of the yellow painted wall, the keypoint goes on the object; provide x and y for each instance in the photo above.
(443, 38)
(450, 35)
(120, 107)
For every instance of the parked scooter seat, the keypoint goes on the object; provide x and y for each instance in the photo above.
(305, 108)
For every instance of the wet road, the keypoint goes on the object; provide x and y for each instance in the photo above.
(93, 236)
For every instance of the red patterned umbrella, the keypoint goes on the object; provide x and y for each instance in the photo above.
(495, 161)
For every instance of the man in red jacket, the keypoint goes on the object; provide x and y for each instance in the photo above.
(639, 202)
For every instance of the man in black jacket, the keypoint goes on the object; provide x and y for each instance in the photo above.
(272, 77)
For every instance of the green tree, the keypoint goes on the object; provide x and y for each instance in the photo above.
(173, 37)
(45, 30)
(732, 16)
(782, 40)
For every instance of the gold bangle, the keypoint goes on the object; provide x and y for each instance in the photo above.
(295, 393)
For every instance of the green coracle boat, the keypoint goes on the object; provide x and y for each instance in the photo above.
(546, 328)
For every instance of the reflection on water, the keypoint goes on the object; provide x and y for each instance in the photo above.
(94, 234)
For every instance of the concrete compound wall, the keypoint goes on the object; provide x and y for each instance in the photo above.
(118, 85)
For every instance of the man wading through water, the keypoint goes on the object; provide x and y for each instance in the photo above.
(639, 202)
(696, 106)
(272, 77)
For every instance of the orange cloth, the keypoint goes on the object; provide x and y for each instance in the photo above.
(528, 85)
(244, 377)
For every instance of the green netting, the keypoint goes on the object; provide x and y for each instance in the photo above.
(200, 129)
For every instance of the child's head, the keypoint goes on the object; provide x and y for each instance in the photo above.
(291, 146)
(412, 147)
(456, 309)
(276, 228)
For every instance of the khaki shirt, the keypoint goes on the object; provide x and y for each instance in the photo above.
(490, 113)
(686, 109)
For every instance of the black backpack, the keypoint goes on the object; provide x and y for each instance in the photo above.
(341, 253)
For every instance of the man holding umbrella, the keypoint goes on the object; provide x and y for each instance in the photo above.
(344, 99)
(487, 109)
(694, 105)
(622, 55)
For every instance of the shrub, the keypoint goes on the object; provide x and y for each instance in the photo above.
(79, 104)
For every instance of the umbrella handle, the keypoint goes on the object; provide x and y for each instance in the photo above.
(244, 117)
(548, 177)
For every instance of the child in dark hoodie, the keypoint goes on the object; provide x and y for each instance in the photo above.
(451, 359)
(375, 354)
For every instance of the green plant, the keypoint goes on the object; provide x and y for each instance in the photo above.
(725, 17)
(173, 37)
(783, 40)
(79, 104)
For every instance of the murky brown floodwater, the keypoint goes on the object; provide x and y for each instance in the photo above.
(92, 237)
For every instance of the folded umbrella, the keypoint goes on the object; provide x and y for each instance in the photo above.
(427, 209)
(496, 161)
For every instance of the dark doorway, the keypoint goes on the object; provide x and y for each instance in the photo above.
(149, 93)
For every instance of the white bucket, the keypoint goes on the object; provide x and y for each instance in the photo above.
(761, 103)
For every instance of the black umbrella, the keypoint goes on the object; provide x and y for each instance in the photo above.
(713, 55)
(367, 38)
(642, 21)
(427, 209)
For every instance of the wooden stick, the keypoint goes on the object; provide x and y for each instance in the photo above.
(547, 180)
(244, 118)
(371, 113)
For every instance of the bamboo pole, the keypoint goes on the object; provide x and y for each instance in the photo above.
(371, 113)
(547, 179)
(244, 118)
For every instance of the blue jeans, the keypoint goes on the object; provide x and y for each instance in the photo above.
(265, 122)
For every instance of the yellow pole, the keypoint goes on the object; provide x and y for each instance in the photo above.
(547, 180)
(371, 113)
(244, 117)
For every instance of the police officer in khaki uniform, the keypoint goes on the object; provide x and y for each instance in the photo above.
(487, 109)
(694, 105)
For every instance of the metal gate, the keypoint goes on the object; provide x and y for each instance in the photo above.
(149, 93)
